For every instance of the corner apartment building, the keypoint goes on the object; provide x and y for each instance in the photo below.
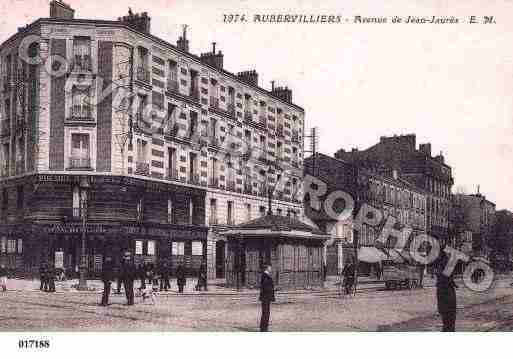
(390, 194)
(416, 165)
(156, 149)
(477, 215)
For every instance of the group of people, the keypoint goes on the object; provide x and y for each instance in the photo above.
(153, 278)
(47, 274)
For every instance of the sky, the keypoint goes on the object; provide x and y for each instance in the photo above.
(450, 84)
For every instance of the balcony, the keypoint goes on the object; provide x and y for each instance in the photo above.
(194, 179)
(213, 183)
(143, 75)
(172, 175)
(279, 130)
(214, 102)
(142, 168)
(82, 63)
(194, 94)
(79, 163)
(263, 120)
(262, 191)
(248, 189)
(230, 186)
(231, 109)
(172, 85)
(81, 113)
(295, 137)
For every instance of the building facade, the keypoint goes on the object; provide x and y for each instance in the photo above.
(417, 166)
(390, 195)
(134, 132)
(476, 214)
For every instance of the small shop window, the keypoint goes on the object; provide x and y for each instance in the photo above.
(151, 248)
(138, 247)
(11, 246)
(3, 245)
(178, 248)
(197, 248)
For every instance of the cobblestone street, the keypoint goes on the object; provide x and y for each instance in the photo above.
(373, 308)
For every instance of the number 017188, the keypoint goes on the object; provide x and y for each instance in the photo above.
(33, 344)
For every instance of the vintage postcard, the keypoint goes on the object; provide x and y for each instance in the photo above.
(292, 166)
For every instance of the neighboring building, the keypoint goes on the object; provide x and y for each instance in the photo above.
(477, 215)
(503, 239)
(156, 169)
(418, 167)
(393, 196)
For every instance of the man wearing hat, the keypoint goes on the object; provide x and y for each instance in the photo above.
(128, 274)
(107, 277)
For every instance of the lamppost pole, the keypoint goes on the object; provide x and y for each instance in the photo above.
(82, 282)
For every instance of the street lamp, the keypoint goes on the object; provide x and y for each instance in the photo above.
(84, 187)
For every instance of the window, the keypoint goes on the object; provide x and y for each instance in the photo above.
(170, 211)
(178, 248)
(81, 103)
(262, 210)
(3, 245)
(213, 211)
(229, 213)
(248, 212)
(20, 245)
(197, 248)
(11, 246)
(20, 197)
(278, 211)
(142, 151)
(151, 248)
(82, 54)
(172, 76)
(191, 211)
(5, 199)
(140, 209)
(138, 247)
(80, 151)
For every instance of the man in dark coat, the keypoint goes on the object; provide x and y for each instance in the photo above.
(164, 276)
(202, 278)
(181, 280)
(128, 273)
(266, 297)
(446, 295)
(107, 277)
(42, 277)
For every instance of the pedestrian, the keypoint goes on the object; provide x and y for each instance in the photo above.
(446, 294)
(202, 278)
(164, 276)
(181, 280)
(128, 273)
(42, 277)
(107, 277)
(348, 273)
(266, 297)
(422, 269)
(141, 273)
(50, 274)
(3, 277)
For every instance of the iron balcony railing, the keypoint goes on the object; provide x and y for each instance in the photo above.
(214, 102)
(81, 112)
(194, 179)
(79, 162)
(172, 85)
(172, 174)
(142, 168)
(214, 183)
(143, 74)
(82, 63)
(231, 108)
(230, 186)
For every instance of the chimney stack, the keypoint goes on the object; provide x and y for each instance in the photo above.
(61, 10)
(283, 93)
(249, 77)
(425, 148)
(183, 43)
(139, 22)
(212, 58)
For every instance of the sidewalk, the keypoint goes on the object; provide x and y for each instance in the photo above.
(215, 287)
